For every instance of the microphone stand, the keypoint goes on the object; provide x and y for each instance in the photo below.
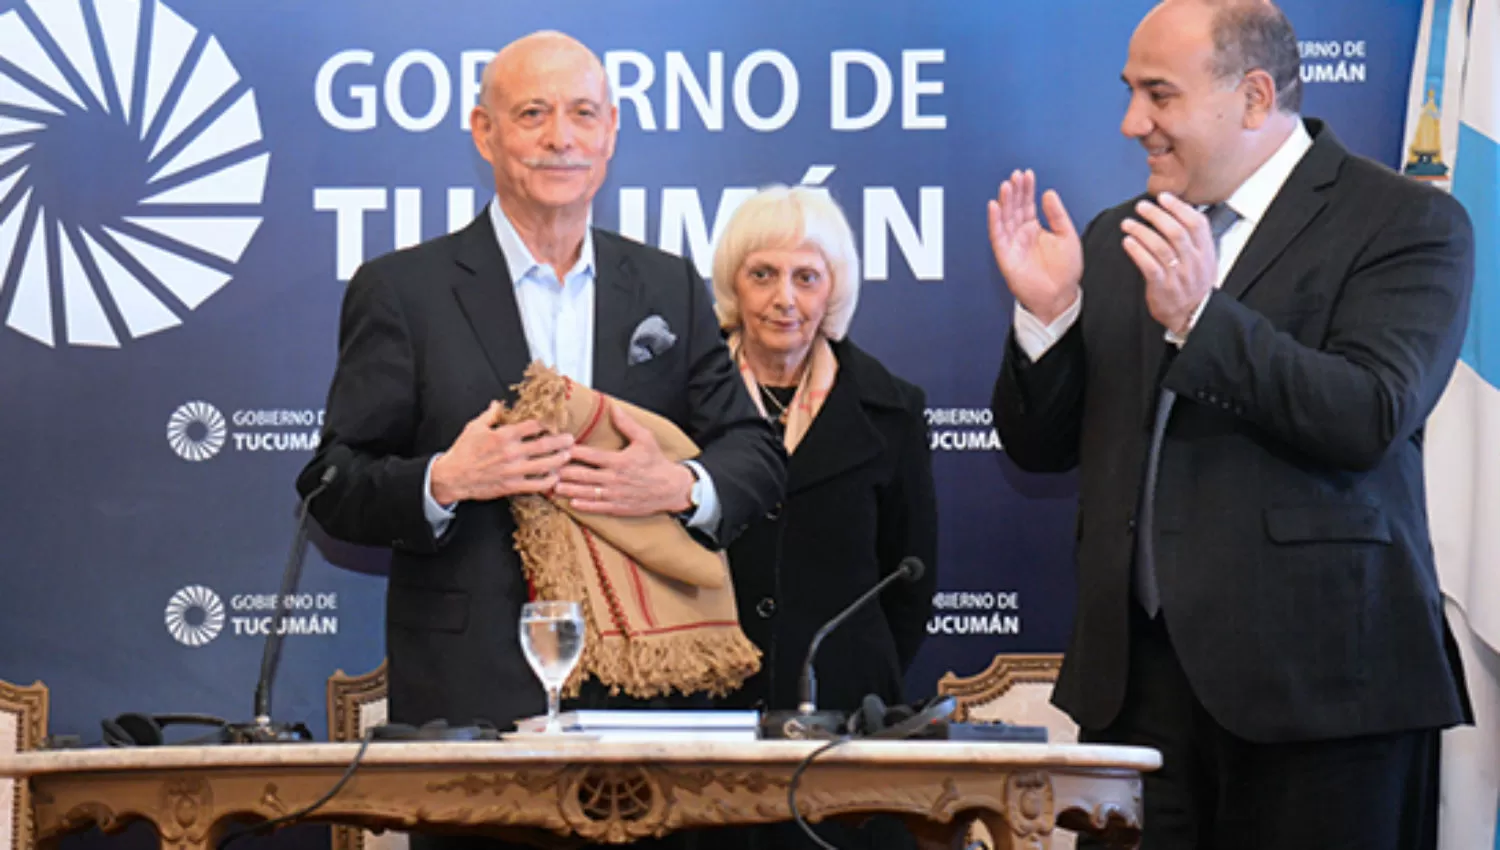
(807, 721)
(262, 730)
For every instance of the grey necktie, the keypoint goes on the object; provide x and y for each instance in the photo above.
(1220, 219)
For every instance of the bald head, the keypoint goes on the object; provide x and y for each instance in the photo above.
(545, 123)
(1243, 35)
(546, 52)
(1214, 92)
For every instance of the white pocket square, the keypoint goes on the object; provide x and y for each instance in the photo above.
(650, 338)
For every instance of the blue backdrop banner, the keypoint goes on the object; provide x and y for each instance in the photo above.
(187, 185)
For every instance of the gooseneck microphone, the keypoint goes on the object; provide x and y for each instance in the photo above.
(262, 730)
(911, 569)
(807, 721)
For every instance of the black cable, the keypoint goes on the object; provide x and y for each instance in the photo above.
(791, 791)
(791, 797)
(275, 823)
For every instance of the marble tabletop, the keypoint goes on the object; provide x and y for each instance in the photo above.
(533, 749)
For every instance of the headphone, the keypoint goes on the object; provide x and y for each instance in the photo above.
(927, 721)
(145, 730)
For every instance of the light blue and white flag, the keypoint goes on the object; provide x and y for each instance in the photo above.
(1453, 139)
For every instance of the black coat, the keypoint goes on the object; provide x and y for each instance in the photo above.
(859, 498)
(1292, 548)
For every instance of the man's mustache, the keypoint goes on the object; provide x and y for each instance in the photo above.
(557, 162)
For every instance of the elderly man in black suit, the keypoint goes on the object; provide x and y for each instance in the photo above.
(1240, 363)
(432, 337)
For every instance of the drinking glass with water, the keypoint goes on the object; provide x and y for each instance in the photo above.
(552, 638)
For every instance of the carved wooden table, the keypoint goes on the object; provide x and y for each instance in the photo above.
(560, 793)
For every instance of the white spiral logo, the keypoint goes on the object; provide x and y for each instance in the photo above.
(202, 418)
(202, 602)
(131, 177)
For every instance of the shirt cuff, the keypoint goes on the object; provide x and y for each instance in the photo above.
(1181, 340)
(437, 515)
(706, 517)
(1034, 337)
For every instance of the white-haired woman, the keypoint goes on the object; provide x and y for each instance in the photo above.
(859, 481)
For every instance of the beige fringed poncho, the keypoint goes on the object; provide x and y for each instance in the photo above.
(659, 606)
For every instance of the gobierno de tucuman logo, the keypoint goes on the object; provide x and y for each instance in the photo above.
(194, 615)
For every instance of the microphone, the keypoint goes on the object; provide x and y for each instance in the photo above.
(262, 730)
(807, 721)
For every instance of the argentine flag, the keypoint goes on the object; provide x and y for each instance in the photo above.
(1453, 139)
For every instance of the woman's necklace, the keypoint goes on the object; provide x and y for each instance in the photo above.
(767, 394)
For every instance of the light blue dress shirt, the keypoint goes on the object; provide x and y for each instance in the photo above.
(559, 323)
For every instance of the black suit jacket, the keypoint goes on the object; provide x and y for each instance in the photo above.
(428, 337)
(1292, 548)
(859, 499)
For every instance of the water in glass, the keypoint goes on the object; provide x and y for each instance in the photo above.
(552, 639)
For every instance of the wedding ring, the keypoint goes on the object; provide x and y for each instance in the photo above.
(1172, 263)
(598, 493)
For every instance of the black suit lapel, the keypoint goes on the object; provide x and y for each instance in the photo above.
(487, 297)
(841, 438)
(1295, 207)
(617, 299)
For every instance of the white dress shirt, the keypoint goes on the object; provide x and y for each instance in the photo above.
(559, 323)
(1250, 200)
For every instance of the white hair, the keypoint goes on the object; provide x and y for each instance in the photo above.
(789, 217)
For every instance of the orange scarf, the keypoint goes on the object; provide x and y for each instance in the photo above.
(812, 390)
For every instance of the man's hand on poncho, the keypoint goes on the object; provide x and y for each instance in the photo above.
(491, 461)
(638, 480)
